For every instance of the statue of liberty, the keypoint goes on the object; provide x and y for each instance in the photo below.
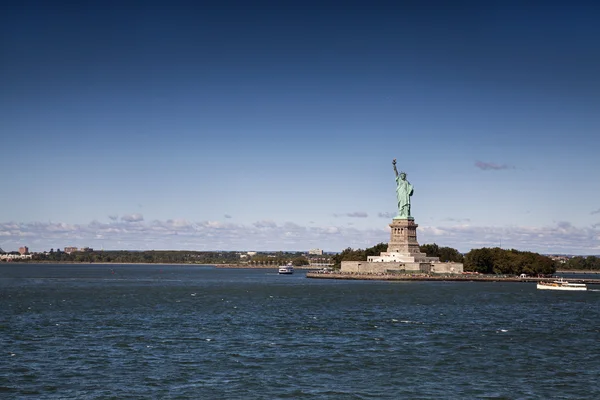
(403, 192)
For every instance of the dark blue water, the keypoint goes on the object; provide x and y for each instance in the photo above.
(185, 332)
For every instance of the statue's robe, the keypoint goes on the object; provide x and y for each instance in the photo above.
(403, 192)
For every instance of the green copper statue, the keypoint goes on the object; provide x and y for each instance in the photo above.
(403, 192)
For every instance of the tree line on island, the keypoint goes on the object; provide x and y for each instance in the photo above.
(170, 257)
(580, 263)
(484, 260)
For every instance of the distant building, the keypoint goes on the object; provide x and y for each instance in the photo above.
(560, 259)
(320, 262)
(316, 252)
(23, 250)
(251, 253)
(11, 257)
(70, 250)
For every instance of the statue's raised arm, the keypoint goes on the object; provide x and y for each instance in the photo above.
(394, 164)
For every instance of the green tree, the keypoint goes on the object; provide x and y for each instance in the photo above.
(300, 261)
(432, 250)
(500, 261)
(376, 250)
(444, 253)
(479, 260)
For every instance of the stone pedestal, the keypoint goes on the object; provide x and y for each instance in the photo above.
(403, 237)
(403, 248)
(402, 255)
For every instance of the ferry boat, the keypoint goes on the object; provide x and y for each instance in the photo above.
(561, 284)
(286, 269)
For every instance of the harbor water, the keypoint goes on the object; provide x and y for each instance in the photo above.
(197, 332)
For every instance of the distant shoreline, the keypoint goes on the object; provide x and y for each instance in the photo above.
(241, 266)
(246, 266)
(96, 263)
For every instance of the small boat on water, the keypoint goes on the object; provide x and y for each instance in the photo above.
(286, 269)
(561, 284)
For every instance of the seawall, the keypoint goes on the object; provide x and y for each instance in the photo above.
(451, 278)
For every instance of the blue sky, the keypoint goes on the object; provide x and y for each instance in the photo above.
(170, 125)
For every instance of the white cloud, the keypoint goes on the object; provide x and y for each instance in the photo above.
(136, 217)
(387, 215)
(62, 227)
(179, 224)
(463, 220)
(265, 224)
(356, 214)
(561, 238)
(330, 230)
(293, 227)
(487, 166)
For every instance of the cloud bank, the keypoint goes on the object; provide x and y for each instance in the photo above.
(132, 217)
(179, 234)
(356, 214)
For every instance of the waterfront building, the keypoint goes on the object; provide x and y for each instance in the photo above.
(73, 249)
(11, 257)
(320, 262)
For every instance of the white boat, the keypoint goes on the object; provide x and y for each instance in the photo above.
(561, 284)
(286, 269)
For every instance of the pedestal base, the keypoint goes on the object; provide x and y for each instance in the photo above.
(402, 255)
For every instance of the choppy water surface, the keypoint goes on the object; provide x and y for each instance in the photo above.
(185, 332)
